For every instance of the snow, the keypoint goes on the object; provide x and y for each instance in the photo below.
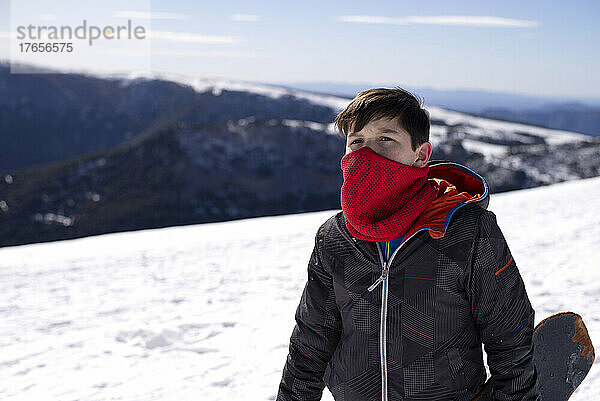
(552, 136)
(206, 311)
(216, 85)
(315, 126)
(487, 149)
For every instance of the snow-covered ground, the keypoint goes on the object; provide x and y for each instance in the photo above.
(205, 312)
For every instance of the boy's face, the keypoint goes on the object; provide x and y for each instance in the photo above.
(390, 140)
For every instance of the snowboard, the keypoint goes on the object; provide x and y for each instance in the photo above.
(563, 355)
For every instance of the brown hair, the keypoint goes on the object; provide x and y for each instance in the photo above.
(378, 103)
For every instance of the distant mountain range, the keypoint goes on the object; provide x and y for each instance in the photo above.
(577, 115)
(212, 150)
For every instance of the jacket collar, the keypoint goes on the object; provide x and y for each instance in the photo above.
(458, 186)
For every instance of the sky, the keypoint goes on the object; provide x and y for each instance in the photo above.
(537, 48)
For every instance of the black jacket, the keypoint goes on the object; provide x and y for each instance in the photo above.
(417, 334)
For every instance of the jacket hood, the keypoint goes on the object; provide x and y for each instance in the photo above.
(458, 185)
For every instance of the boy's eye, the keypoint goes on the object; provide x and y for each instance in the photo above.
(386, 137)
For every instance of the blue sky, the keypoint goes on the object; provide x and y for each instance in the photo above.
(528, 47)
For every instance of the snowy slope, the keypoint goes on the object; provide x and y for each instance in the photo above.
(205, 312)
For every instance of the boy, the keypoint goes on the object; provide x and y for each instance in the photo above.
(410, 278)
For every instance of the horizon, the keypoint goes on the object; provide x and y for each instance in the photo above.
(589, 101)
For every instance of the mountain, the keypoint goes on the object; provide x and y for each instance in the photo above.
(577, 115)
(466, 100)
(171, 313)
(55, 116)
(52, 117)
(573, 116)
(234, 150)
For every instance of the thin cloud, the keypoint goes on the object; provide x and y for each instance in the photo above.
(149, 15)
(456, 20)
(47, 17)
(209, 54)
(191, 37)
(244, 17)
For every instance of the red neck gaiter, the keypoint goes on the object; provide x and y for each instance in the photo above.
(380, 197)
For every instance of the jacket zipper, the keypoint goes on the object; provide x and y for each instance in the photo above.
(384, 295)
(382, 328)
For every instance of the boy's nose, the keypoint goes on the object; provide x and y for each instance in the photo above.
(374, 149)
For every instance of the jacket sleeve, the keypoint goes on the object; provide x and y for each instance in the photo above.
(502, 313)
(315, 335)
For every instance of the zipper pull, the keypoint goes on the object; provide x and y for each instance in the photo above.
(376, 283)
(384, 274)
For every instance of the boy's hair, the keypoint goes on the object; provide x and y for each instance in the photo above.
(378, 103)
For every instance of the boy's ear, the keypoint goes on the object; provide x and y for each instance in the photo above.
(424, 151)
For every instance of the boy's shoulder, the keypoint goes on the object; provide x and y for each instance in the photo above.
(326, 227)
(472, 223)
(469, 214)
(464, 223)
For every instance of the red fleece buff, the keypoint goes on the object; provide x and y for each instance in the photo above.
(380, 197)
